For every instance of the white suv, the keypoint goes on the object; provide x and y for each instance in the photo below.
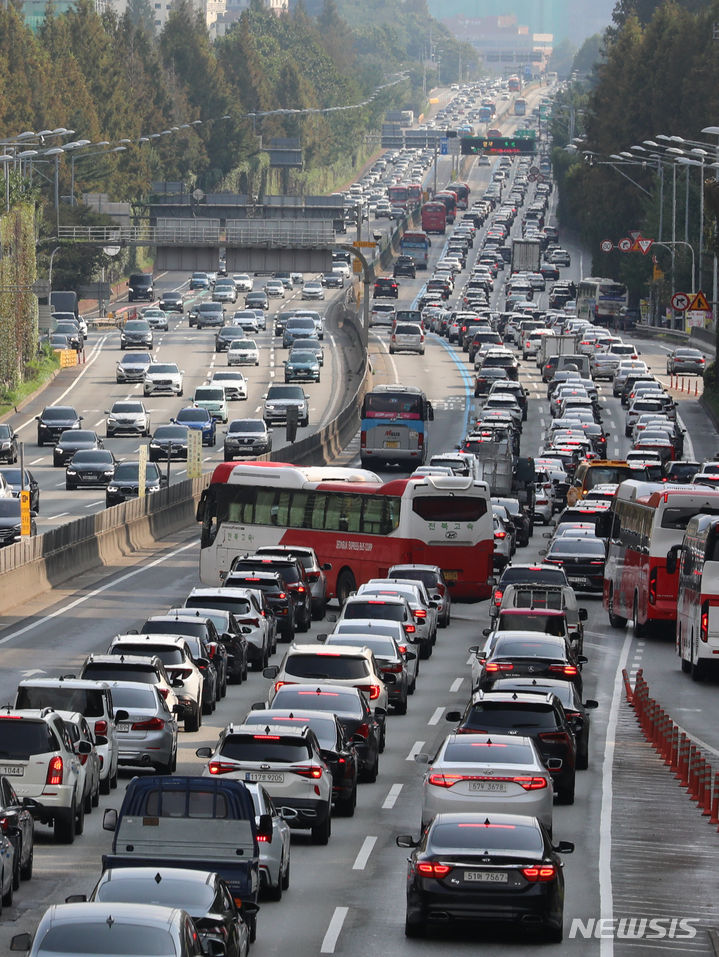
(163, 377)
(39, 759)
(424, 611)
(287, 762)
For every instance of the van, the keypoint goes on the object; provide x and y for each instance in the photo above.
(571, 362)
(213, 399)
(140, 286)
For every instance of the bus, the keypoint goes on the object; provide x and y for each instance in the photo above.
(601, 301)
(414, 194)
(398, 195)
(449, 198)
(393, 427)
(520, 106)
(357, 524)
(434, 217)
(462, 190)
(416, 244)
(645, 521)
(485, 114)
(697, 637)
(514, 84)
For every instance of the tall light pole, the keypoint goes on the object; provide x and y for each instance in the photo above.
(57, 152)
(82, 156)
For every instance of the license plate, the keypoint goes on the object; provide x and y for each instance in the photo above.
(88, 475)
(486, 877)
(13, 770)
(264, 777)
(493, 787)
(122, 728)
(391, 445)
(576, 581)
(451, 576)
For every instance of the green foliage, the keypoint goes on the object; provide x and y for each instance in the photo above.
(18, 305)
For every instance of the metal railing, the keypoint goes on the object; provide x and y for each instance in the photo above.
(258, 233)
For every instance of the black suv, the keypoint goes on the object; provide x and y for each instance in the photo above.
(54, 420)
(294, 576)
(540, 717)
(8, 444)
(279, 597)
(385, 287)
(140, 287)
(404, 266)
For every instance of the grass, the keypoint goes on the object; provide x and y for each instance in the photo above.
(37, 374)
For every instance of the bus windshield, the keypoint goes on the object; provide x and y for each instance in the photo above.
(384, 405)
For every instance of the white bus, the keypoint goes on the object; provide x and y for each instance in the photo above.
(601, 301)
(697, 638)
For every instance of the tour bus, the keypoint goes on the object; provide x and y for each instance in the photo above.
(601, 301)
(462, 190)
(485, 114)
(449, 198)
(393, 426)
(514, 84)
(697, 640)
(416, 244)
(414, 194)
(520, 106)
(398, 195)
(434, 217)
(357, 524)
(645, 521)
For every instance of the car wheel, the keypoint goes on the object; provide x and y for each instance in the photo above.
(346, 807)
(16, 875)
(8, 895)
(192, 721)
(319, 611)
(64, 825)
(565, 795)
(69, 487)
(87, 803)
(321, 832)
(616, 621)
(80, 818)
(105, 785)
(414, 928)
(95, 799)
(26, 868)
(274, 893)
(401, 706)
(286, 877)
(345, 585)
(554, 935)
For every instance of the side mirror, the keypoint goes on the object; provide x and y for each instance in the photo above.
(673, 559)
(380, 712)
(246, 630)
(83, 747)
(204, 752)
(326, 567)
(453, 716)
(21, 942)
(582, 659)
(389, 679)
(109, 820)
(100, 740)
(264, 827)
(76, 899)
(322, 637)
(422, 758)
(564, 847)
(402, 840)
(486, 632)
(583, 614)
(120, 715)
(260, 706)
(590, 704)
(409, 656)
(271, 672)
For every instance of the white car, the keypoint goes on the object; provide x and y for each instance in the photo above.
(274, 854)
(424, 611)
(243, 352)
(79, 730)
(163, 377)
(213, 398)
(243, 282)
(483, 773)
(275, 289)
(234, 383)
(313, 289)
(127, 416)
(246, 319)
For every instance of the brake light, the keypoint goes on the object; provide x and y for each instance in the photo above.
(444, 780)
(164, 692)
(498, 597)
(279, 684)
(704, 622)
(363, 439)
(402, 649)
(282, 595)
(100, 728)
(500, 535)
(531, 783)
(539, 874)
(554, 737)
(496, 666)
(420, 439)
(372, 690)
(420, 613)
(54, 771)
(307, 771)
(409, 629)
(568, 670)
(211, 650)
(255, 622)
(430, 869)
(362, 730)
(263, 839)
(221, 767)
(653, 586)
(152, 724)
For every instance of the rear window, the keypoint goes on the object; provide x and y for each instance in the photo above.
(168, 656)
(407, 329)
(86, 702)
(184, 627)
(238, 606)
(375, 609)
(19, 738)
(426, 576)
(470, 752)
(181, 803)
(491, 716)
(547, 624)
(339, 702)
(514, 837)
(458, 508)
(327, 666)
(125, 697)
(100, 671)
(106, 938)
(264, 747)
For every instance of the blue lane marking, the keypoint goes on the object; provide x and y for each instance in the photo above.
(466, 379)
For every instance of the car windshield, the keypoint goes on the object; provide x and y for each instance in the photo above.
(14, 476)
(244, 344)
(10, 508)
(382, 646)
(285, 392)
(108, 671)
(58, 414)
(193, 415)
(212, 395)
(125, 696)
(163, 367)
(77, 436)
(303, 357)
(238, 606)
(581, 547)
(129, 472)
(92, 457)
(171, 432)
(128, 407)
(136, 325)
(247, 425)
(135, 359)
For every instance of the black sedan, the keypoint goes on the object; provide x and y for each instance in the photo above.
(16, 482)
(54, 420)
(169, 441)
(19, 826)
(226, 335)
(125, 482)
(516, 654)
(8, 443)
(10, 521)
(257, 300)
(582, 560)
(499, 868)
(74, 440)
(93, 467)
(172, 302)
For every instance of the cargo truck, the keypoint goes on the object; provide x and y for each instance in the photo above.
(557, 345)
(526, 255)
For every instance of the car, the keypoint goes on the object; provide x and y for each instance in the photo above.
(125, 483)
(279, 399)
(8, 443)
(200, 420)
(17, 479)
(385, 287)
(213, 399)
(57, 340)
(486, 377)
(208, 652)
(287, 761)
(391, 660)
(486, 773)
(54, 420)
(10, 521)
(168, 441)
(128, 417)
(243, 281)
(132, 367)
(293, 575)
(156, 318)
(512, 652)
(246, 320)
(684, 361)
(79, 730)
(300, 326)
(257, 300)
(229, 334)
(172, 301)
(38, 755)
(232, 633)
(163, 377)
(243, 352)
(529, 888)
(199, 280)
(312, 345)
(360, 722)
(136, 334)
(19, 831)
(145, 670)
(166, 930)
(251, 611)
(141, 286)
(224, 290)
(202, 894)
(314, 571)
(333, 280)
(246, 437)
(275, 289)
(234, 383)
(312, 289)
(73, 440)
(302, 365)
(274, 853)
(90, 467)
(582, 561)
(71, 331)
(406, 337)
(207, 314)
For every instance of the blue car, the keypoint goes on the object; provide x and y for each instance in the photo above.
(194, 418)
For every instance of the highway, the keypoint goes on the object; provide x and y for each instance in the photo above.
(348, 898)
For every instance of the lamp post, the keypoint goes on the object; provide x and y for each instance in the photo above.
(74, 159)
(57, 152)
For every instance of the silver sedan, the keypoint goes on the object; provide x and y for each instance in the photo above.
(146, 728)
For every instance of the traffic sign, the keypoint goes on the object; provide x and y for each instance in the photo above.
(362, 244)
(533, 176)
(644, 245)
(634, 235)
(606, 245)
(680, 301)
(699, 303)
(624, 245)
(444, 146)
(25, 517)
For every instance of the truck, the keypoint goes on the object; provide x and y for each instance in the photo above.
(192, 822)
(526, 255)
(64, 300)
(556, 345)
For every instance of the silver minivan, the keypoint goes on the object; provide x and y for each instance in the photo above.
(407, 337)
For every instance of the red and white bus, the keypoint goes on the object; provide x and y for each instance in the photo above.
(414, 194)
(645, 521)
(698, 596)
(398, 195)
(462, 190)
(357, 523)
(434, 218)
(449, 198)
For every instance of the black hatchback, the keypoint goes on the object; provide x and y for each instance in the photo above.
(54, 420)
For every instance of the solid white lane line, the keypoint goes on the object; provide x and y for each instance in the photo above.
(333, 931)
(415, 749)
(364, 853)
(51, 518)
(436, 716)
(456, 685)
(392, 795)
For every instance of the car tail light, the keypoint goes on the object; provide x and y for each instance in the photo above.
(568, 670)
(279, 684)
(307, 771)
(500, 535)
(704, 622)
(496, 666)
(221, 767)
(420, 439)
(653, 586)
(409, 629)
(530, 783)
(363, 439)
(421, 614)
(54, 771)
(100, 728)
(392, 670)
(164, 692)
(430, 869)
(362, 730)
(444, 780)
(152, 724)
(372, 690)
(498, 597)
(554, 737)
(255, 622)
(547, 872)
